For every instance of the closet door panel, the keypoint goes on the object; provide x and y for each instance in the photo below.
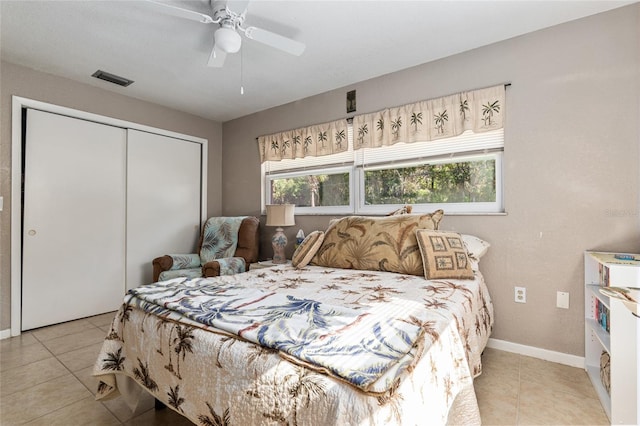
(74, 223)
(163, 200)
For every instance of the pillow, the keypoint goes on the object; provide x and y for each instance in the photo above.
(443, 255)
(307, 249)
(476, 247)
(402, 210)
(376, 243)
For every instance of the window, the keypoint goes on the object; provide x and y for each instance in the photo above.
(465, 184)
(327, 190)
(462, 174)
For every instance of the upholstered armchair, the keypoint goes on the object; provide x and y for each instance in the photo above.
(227, 245)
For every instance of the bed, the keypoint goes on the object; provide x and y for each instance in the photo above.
(383, 348)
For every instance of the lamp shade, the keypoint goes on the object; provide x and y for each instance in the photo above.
(280, 215)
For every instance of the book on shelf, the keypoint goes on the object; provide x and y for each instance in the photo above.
(603, 272)
(602, 315)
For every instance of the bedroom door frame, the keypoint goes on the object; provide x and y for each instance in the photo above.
(17, 104)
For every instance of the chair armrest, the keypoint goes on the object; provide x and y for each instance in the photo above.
(170, 262)
(225, 266)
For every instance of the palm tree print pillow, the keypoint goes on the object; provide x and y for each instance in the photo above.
(307, 249)
(376, 243)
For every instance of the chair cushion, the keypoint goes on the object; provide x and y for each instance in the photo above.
(219, 238)
(178, 273)
(231, 265)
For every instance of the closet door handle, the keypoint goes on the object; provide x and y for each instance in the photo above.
(31, 232)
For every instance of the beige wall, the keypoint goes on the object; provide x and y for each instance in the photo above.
(24, 82)
(571, 161)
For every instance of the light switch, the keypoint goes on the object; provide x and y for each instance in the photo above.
(562, 300)
(1, 203)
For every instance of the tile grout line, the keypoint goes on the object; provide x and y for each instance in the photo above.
(33, 362)
(61, 408)
(67, 335)
(91, 395)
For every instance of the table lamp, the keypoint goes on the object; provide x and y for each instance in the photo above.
(280, 215)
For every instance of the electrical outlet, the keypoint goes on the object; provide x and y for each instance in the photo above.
(521, 295)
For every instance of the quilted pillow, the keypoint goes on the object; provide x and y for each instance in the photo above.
(376, 243)
(444, 255)
(307, 249)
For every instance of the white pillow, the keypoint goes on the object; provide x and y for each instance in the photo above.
(476, 247)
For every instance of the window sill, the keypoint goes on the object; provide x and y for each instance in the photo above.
(341, 214)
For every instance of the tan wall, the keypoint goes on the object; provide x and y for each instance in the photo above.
(27, 83)
(571, 161)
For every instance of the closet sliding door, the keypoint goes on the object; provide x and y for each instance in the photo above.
(74, 219)
(163, 200)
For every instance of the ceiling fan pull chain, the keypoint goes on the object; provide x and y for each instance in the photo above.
(241, 71)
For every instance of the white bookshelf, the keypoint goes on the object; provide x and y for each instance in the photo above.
(621, 341)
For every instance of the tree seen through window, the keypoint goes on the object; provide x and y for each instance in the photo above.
(312, 190)
(461, 182)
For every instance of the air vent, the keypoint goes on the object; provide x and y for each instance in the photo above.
(112, 78)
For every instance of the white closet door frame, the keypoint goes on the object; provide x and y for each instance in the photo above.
(18, 103)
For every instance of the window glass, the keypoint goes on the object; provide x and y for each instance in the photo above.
(311, 190)
(452, 182)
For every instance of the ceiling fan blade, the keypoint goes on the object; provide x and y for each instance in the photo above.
(275, 40)
(216, 60)
(183, 13)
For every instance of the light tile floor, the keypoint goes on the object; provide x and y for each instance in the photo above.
(45, 379)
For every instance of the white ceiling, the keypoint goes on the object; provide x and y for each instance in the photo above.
(347, 42)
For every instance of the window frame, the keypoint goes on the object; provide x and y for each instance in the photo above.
(347, 209)
(451, 208)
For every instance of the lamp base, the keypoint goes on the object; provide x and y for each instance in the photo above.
(279, 242)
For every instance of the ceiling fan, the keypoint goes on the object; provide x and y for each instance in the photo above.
(227, 38)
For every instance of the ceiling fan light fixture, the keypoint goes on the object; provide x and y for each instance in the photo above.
(227, 39)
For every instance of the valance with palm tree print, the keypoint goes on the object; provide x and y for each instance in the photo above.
(317, 140)
(477, 110)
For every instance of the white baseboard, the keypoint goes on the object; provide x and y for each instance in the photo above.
(5, 334)
(545, 354)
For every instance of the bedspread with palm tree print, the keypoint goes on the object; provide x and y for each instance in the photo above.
(216, 373)
(358, 344)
